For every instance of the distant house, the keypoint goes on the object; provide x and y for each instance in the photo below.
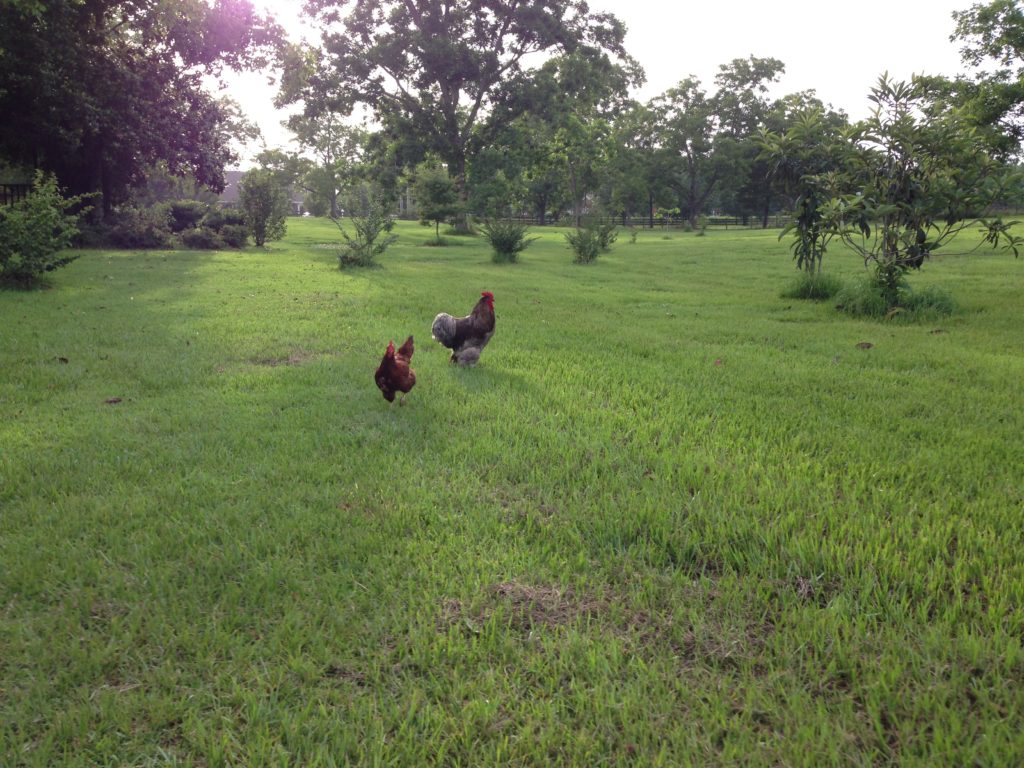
(229, 197)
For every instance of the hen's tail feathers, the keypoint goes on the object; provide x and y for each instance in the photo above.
(405, 351)
(443, 329)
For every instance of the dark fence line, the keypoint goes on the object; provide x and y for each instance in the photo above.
(775, 221)
(13, 193)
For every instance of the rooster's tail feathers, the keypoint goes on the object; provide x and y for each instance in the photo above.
(443, 329)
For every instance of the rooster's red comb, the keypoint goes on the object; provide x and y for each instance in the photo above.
(487, 295)
(391, 348)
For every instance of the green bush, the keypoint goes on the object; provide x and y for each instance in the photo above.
(218, 218)
(185, 214)
(234, 235)
(813, 285)
(265, 203)
(202, 239)
(507, 238)
(585, 245)
(371, 236)
(137, 228)
(606, 233)
(34, 231)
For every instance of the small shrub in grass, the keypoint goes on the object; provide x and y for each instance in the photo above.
(607, 233)
(507, 238)
(370, 238)
(813, 285)
(201, 239)
(585, 245)
(34, 231)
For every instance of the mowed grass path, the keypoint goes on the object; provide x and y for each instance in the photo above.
(671, 519)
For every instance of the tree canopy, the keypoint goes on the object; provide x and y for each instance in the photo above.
(451, 73)
(96, 91)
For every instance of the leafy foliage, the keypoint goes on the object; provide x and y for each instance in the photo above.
(437, 198)
(371, 235)
(507, 238)
(265, 203)
(916, 180)
(446, 77)
(99, 91)
(585, 244)
(34, 232)
(804, 160)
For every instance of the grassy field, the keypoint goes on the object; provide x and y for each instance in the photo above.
(671, 519)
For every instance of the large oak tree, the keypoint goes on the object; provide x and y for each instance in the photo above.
(449, 72)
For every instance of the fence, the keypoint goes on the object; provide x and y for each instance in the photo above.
(13, 193)
(775, 221)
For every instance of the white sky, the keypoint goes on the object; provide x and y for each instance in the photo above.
(837, 49)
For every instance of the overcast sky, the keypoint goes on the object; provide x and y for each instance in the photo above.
(836, 49)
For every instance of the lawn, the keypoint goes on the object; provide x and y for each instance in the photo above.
(671, 518)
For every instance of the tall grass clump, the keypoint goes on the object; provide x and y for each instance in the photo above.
(871, 298)
(507, 238)
(813, 285)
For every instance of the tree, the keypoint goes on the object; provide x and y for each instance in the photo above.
(336, 150)
(97, 91)
(803, 162)
(640, 167)
(710, 136)
(993, 33)
(449, 73)
(437, 199)
(917, 179)
(265, 203)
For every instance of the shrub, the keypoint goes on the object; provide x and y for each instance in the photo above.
(265, 203)
(234, 235)
(370, 238)
(185, 214)
(813, 285)
(218, 218)
(203, 239)
(585, 245)
(137, 228)
(606, 233)
(34, 231)
(507, 238)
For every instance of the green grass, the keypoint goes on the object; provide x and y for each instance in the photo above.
(671, 519)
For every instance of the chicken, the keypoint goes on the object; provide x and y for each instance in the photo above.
(394, 374)
(466, 336)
